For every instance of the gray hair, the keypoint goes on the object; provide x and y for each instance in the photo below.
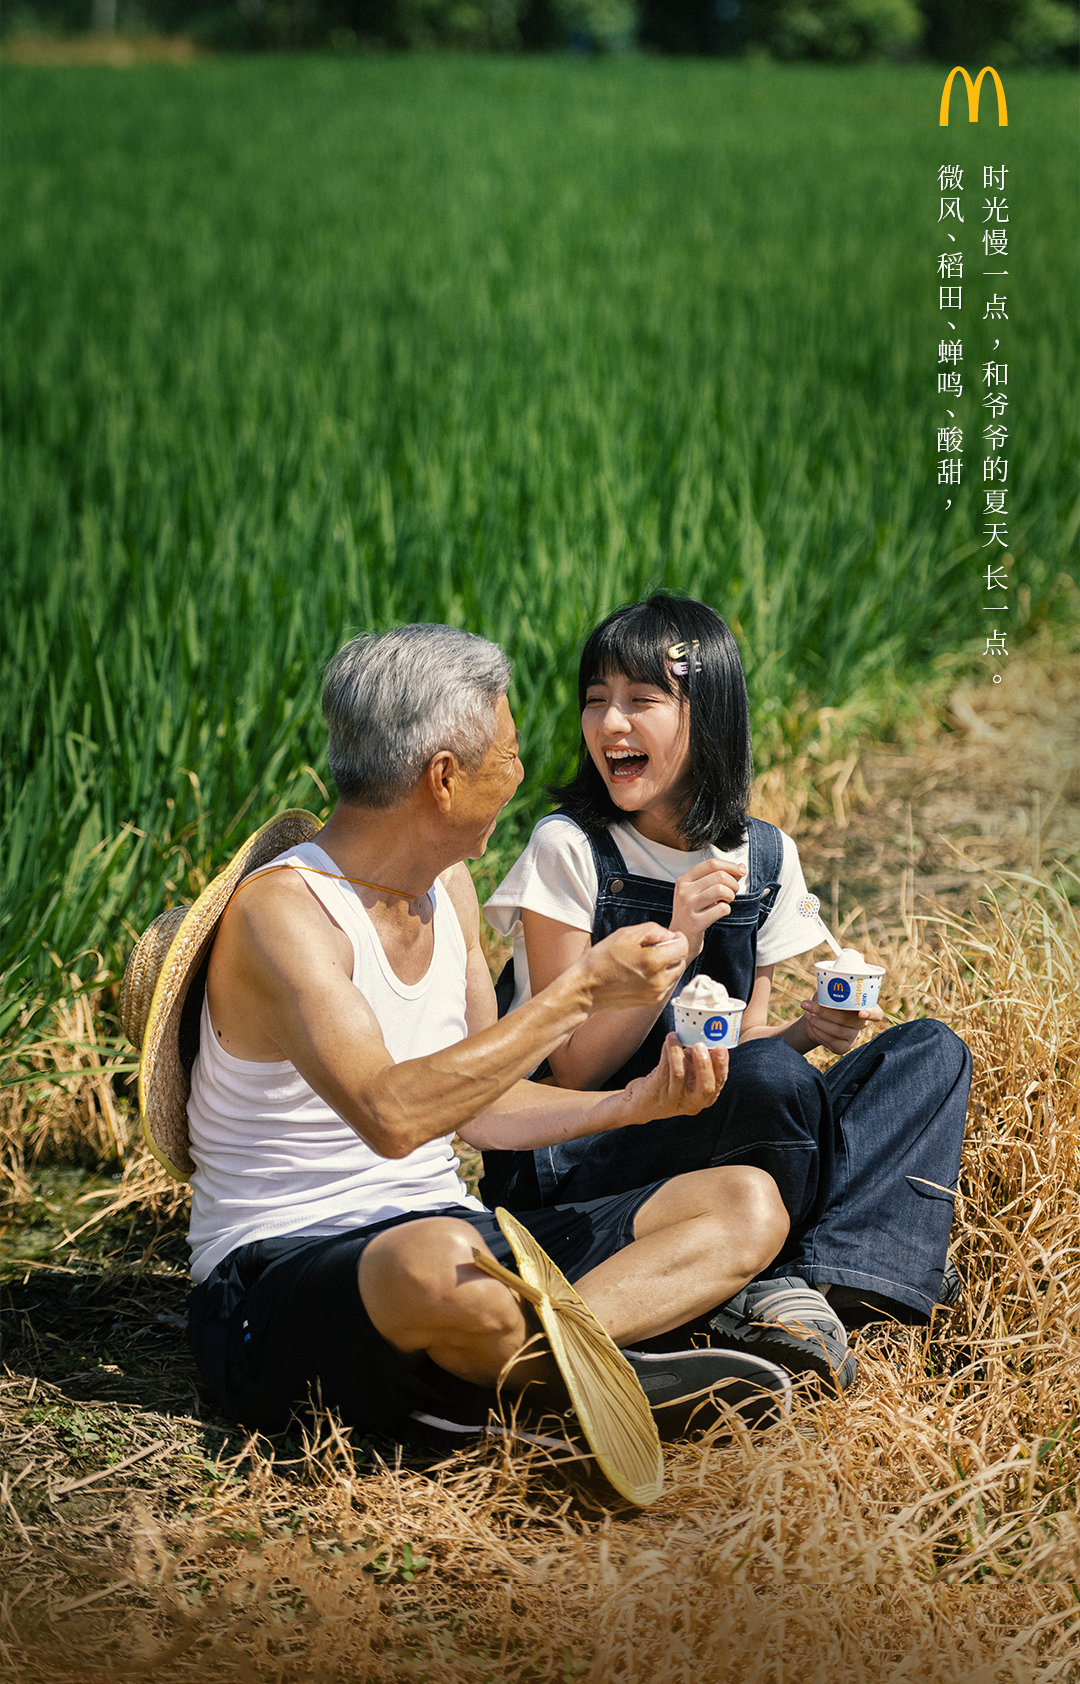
(392, 701)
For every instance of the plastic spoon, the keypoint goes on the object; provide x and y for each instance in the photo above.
(810, 907)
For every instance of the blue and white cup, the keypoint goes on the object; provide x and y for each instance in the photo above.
(715, 1029)
(848, 990)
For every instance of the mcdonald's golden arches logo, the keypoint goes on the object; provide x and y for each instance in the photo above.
(973, 91)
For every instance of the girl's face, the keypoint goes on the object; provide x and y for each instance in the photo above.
(639, 740)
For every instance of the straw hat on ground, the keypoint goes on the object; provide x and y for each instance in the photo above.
(162, 993)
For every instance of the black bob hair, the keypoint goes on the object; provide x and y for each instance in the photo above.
(634, 642)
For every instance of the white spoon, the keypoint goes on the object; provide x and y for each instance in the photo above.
(810, 907)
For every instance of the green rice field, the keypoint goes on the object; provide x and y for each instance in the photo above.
(297, 347)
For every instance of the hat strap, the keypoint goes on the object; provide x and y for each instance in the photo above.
(381, 888)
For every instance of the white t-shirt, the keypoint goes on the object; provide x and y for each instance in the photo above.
(556, 876)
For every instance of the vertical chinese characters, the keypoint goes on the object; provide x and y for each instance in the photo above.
(950, 268)
(995, 403)
(983, 293)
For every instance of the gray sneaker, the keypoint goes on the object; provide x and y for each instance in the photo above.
(951, 1286)
(790, 1323)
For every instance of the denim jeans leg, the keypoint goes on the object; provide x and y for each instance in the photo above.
(900, 1103)
(772, 1113)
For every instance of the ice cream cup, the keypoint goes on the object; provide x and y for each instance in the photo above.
(848, 988)
(715, 1029)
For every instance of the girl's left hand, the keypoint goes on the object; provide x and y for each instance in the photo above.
(837, 1030)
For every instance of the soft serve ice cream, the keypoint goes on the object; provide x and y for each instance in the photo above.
(705, 1011)
(848, 981)
(706, 995)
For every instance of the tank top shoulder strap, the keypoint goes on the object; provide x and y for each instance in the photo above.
(320, 875)
(335, 893)
(606, 855)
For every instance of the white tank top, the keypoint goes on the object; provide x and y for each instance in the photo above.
(271, 1157)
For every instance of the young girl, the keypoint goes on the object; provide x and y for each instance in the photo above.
(654, 826)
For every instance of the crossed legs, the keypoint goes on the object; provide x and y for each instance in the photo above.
(697, 1241)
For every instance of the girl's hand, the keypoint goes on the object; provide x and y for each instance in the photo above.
(837, 1030)
(702, 895)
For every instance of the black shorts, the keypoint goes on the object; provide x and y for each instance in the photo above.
(279, 1325)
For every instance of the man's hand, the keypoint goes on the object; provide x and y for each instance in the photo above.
(702, 895)
(829, 1027)
(636, 966)
(686, 1081)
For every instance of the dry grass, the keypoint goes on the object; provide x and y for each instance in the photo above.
(59, 1102)
(117, 51)
(923, 1528)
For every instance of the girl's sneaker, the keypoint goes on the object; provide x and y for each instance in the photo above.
(790, 1323)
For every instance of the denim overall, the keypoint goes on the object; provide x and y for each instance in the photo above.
(866, 1156)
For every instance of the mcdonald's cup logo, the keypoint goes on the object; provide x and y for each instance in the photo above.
(973, 91)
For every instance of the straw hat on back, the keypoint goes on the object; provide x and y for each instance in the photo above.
(164, 983)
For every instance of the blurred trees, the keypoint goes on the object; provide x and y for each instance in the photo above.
(821, 29)
(1013, 31)
(1003, 32)
(839, 29)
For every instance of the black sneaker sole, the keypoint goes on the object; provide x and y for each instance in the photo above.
(440, 1429)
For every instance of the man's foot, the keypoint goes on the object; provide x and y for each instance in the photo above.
(445, 1431)
(790, 1323)
(690, 1391)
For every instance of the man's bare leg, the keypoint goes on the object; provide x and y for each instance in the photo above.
(697, 1241)
(425, 1295)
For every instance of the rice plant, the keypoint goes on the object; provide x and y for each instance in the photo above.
(297, 347)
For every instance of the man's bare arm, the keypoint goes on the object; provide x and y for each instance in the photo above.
(686, 1080)
(279, 953)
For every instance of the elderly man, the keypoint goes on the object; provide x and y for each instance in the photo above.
(348, 1030)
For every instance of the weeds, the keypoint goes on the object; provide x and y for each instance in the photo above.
(924, 1525)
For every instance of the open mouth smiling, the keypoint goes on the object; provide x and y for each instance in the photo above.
(624, 763)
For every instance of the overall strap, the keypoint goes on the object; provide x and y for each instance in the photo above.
(766, 856)
(605, 852)
(766, 853)
(609, 862)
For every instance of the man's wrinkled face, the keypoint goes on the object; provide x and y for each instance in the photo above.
(486, 791)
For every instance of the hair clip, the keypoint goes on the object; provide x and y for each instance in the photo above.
(678, 654)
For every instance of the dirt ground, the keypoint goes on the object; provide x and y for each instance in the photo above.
(991, 785)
